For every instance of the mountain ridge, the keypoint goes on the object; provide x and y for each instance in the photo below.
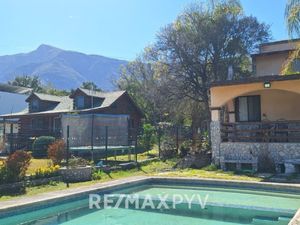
(64, 69)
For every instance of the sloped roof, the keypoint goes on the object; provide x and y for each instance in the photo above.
(46, 97)
(14, 89)
(65, 103)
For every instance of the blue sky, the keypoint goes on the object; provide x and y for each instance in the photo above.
(113, 28)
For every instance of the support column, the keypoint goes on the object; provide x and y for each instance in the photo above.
(215, 130)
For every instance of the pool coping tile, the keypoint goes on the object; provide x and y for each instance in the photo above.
(54, 196)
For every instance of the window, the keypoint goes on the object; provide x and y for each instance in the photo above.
(248, 109)
(79, 101)
(57, 124)
(35, 104)
(37, 124)
(296, 65)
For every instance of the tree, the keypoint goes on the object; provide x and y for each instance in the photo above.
(27, 81)
(90, 86)
(292, 17)
(202, 43)
(173, 76)
(36, 85)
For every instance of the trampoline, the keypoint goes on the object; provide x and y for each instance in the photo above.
(97, 135)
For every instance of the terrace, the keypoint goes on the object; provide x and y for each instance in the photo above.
(257, 120)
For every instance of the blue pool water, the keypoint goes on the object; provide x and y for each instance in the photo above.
(225, 206)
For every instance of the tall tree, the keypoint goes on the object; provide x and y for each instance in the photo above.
(36, 85)
(292, 17)
(90, 86)
(27, 81)
(204, 42)
(196, 49)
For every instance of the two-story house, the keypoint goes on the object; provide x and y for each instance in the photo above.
(43, 116)
(256, 121)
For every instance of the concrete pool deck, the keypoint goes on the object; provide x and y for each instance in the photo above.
(20, 203)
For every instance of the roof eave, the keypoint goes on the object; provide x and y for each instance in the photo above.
(256, 80)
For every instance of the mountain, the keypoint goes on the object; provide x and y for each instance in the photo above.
(63, 69)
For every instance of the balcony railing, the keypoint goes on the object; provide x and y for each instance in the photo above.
(279, 131)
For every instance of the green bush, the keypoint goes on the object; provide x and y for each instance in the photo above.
(185, 148)
(97, 175)
(40, 146)
(147, 138)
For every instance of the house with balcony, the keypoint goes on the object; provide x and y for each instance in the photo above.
(256, 121)
(43, 114)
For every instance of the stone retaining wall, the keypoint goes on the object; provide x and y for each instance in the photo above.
(245, 150)
(76, 174)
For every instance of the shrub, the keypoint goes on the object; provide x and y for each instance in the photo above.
(168, 150)
(57, 152)
(16, 166)
(147, 138)
(40, 146)
(45, 172)
(3, 172)
(185, 148)
(97, 175)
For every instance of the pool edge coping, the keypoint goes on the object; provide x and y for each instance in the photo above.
(296, 219)
(27, 201)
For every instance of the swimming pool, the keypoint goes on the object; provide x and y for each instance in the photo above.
(225, 205)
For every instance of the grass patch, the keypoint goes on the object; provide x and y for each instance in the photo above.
(213, 174)
(140, 157)
(155, 168)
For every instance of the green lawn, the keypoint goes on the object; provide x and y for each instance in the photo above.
(217, 174)
(140, 157)
(156, 168)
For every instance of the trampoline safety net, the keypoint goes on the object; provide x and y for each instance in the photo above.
(95, 131)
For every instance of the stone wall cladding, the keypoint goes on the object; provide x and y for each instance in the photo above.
(243, 150)
(215, 133)
(76, 174)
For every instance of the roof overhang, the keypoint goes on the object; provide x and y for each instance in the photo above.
(256, 80)
(222, 92)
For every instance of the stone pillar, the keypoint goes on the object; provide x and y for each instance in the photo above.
(215, 134)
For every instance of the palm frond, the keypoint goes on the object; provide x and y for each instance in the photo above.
(292, 17)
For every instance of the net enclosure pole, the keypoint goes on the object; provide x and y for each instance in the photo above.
(159, 141)
(106, 143)
(68, 150)
(135, 148)
(11, 138)
(92, 138)
(4, 131)
(177, 138)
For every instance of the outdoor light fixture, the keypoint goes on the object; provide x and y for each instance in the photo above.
(267, 84)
